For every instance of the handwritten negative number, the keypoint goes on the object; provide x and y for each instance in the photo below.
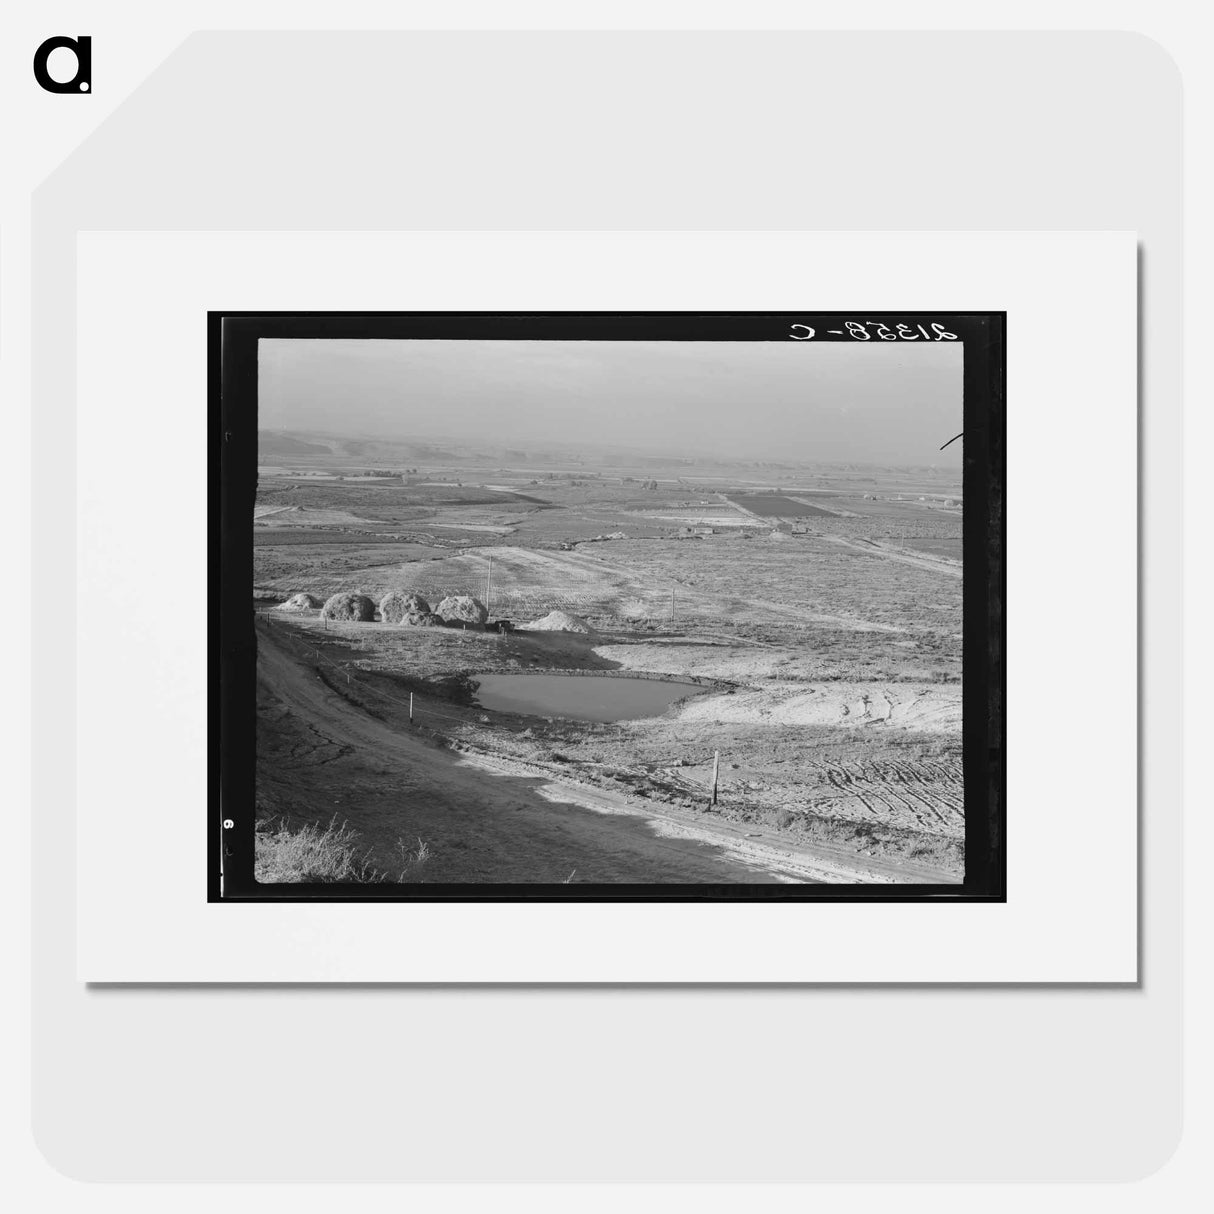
(866, 330)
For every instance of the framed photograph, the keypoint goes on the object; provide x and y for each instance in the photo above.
(364, 422)
(593, 606)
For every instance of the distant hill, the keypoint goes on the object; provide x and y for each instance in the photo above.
(269, 443)
(376, 447)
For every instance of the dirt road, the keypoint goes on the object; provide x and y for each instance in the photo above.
(918, 560)
(487, 819)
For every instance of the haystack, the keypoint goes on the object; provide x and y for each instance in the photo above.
(301, 602)
(397, 607)
(349, 607)
(461, 609)
(561, 621)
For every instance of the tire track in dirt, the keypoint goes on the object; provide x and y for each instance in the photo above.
(892, 792)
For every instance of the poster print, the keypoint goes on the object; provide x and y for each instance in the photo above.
(602, 606)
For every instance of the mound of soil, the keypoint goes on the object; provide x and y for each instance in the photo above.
(301, 602)
(561, 621)
(396, 607)
(461, 609)
(349, 607)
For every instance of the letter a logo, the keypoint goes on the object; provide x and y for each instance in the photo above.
(82, 81)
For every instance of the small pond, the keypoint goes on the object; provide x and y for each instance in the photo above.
(580, 697)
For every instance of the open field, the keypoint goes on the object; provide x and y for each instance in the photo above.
(823, 622)
(775, 505)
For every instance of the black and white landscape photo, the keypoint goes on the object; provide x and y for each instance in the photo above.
(605, 613)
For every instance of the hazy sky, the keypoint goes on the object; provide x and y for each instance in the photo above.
(880, 402)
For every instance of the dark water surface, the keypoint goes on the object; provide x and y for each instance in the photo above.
(579, 697)
(769, 505)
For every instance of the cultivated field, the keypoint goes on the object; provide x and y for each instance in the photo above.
(818, 608)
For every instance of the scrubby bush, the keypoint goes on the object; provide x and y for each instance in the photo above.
(349, 607)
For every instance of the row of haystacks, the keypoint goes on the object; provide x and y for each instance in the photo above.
(396, 607)
(454, 611)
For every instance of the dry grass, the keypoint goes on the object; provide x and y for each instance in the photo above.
(283, 855)
(412, 859)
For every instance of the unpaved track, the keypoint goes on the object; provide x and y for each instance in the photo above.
(488, 820)
(920, 560)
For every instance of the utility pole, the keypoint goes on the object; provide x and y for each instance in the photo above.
(489, 583)
(716, 762)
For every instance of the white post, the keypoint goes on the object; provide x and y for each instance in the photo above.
(489, 585)
(716, 762)
(410, 708)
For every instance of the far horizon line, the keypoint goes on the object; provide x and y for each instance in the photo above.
(546, 443)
